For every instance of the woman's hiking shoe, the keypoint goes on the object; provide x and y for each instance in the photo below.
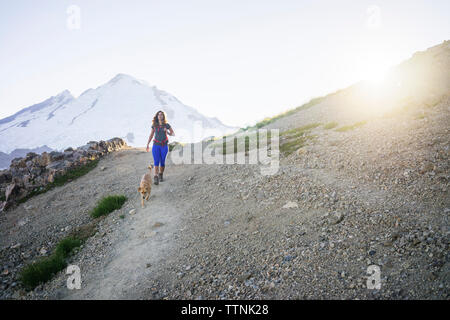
(161, 177)
(156, 181)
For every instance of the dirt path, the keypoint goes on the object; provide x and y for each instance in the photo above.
(141, 241)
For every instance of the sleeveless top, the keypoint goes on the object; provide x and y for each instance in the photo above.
(160, 137)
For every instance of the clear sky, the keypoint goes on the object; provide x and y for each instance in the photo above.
(238, 60)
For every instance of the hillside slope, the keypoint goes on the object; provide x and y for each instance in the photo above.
(224, 231)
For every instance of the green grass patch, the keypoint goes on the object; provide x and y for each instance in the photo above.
(65, 246)
(295, 144)
(75, 173)
(41, 271)
(246, 143)
(84, 232)
(330, 125)
(107, 205)
(45, 268)
(296, 138)
(293, 139)
(351, 127)
(122, 216)
(70, 175)
(174, 144)
(269, 120)
(296, 132)
(420, 115)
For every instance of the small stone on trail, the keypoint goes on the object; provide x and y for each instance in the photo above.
(244, 276)
(290, 204)
(335, 218)
(149, 234)
(158, 224)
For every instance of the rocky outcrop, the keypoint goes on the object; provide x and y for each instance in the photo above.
(35, 171)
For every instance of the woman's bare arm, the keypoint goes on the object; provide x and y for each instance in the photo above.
(151, 136)
(171, 132)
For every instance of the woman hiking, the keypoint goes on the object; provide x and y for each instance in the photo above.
(160, 143)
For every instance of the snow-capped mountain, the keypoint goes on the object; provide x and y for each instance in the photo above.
(123, 107)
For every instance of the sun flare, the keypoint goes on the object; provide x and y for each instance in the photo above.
(376, 74)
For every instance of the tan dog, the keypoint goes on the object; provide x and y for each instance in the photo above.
(145, 187)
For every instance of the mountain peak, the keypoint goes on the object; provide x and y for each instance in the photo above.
(62, 97)
(65, 93)
(123, 77)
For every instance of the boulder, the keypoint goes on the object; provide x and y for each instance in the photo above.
(18, 163)
(93, 145)
(31, 155)
(102, 145)
(44, 159)
(18, 180)
(68, 155)
(84, 148)
(5, 176)
(11, 190)
(29, 164)
(68, 164)
(55, 165)
(56, 155)
(51, 177)
(77, 155)
(36, 171)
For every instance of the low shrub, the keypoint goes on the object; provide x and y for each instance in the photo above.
(107, 205)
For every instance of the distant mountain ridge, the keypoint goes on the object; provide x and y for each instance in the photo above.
(59, 100)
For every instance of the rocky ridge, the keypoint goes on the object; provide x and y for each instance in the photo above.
(34, 172)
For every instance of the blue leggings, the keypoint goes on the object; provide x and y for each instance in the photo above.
(159, 155)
